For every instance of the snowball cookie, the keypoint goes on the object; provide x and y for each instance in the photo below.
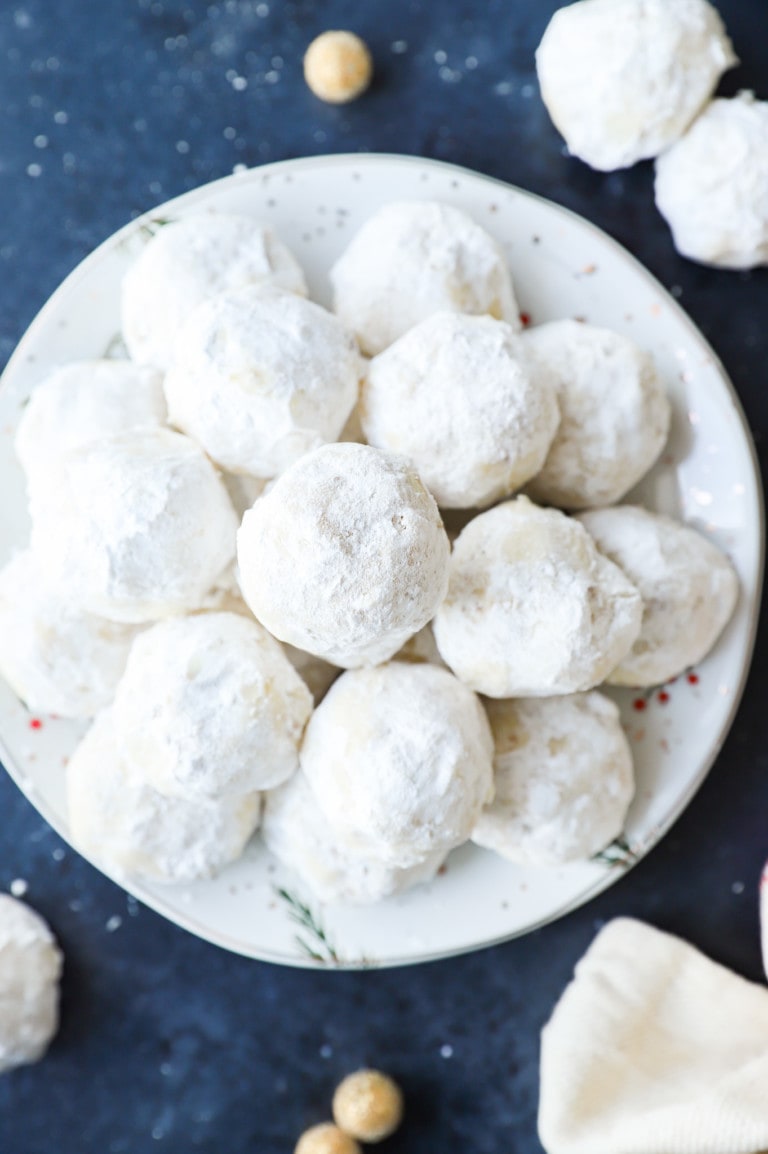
(345, 556)
(132, 830)
(614, 414)
(84, 402)
(210, 707)
(259, 378)
(564, 779)
(30, 967)
(533, 609)
(689, 590)
(623, 79)
(711, 186)
(399, 760)
(190, 261)
(455, 396)
(139, 527)
(55, 657)
(297, 832)
(415, 258)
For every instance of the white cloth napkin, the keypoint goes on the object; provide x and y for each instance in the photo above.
(654, 1049)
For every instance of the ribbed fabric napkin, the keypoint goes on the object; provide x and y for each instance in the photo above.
(654, 1049)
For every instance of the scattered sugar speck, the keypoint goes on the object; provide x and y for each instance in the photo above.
(471, 63)
(19, 887)
(737, 888)
(238, 168)
(58, 854)
(398, 47)
(503, 88)
(326, 1051)
(262, 10)
(61, 117)
(239, 83)
(22, 19)
(446, 1051)
(34, 170)
(230, 133)
(527, 91)
(75, 905)
(113, 923)
(272, 76)
(440, 57)
(182, 146)
(40, 141)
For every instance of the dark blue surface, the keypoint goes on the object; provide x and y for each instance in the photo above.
(106, 108)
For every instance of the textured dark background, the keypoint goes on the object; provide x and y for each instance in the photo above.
(106, 108)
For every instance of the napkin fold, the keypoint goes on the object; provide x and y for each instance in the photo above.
(654, 1049)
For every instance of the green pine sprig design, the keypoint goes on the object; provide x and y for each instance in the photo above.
(314, 942)
(618, 854)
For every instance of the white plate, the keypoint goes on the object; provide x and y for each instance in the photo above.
(563, 267)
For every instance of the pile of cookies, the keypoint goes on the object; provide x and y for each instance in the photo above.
(239, 567)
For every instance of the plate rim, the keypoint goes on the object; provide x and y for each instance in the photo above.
(373, 159)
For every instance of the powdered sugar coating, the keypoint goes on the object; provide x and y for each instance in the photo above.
(399, 760)
(134, 831)
(415, 258)
(30, 968)
(711, 186)
(564, 779)
(456, 398)
(614, 414)
(345, 556)
(189, 261)
(140, 526)
(533, 609)
(259, 378)
(210, 707)
(623, 79)
(84, 402)
(297, 832)
(55, 657)
(689, 590)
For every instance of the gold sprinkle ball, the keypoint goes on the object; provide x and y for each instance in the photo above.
(368, 1105)
(326, 1139)
(338, 67)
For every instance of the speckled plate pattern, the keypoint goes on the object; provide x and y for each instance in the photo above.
(563, 267)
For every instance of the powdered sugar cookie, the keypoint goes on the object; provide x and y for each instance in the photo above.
(30, 967)
(398, 758)
(119, 821)
(139, 526)
(85, 402)
(711, 186)
(623, 79)
(689, 590)
(210, 706)
(455, 396)
(415, 258)
(533, 609)
(259, 378)
(57, 658)
(297, 832)
(345, 556)
(193, 260)
(564, 779)
(614, 414)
